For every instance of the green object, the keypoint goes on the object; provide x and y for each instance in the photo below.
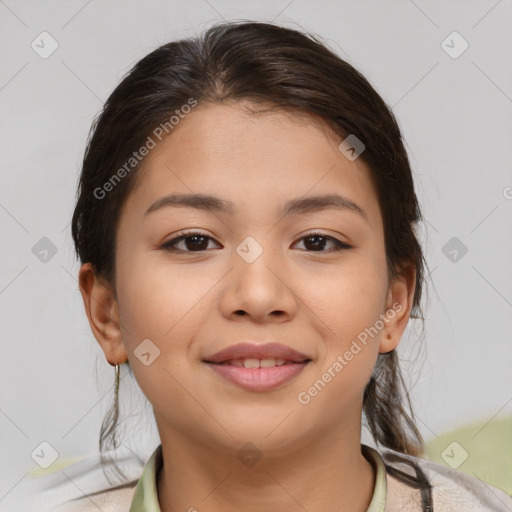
(481, 449)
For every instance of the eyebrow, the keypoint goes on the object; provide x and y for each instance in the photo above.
(300, 205)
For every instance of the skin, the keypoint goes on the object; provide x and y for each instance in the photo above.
(188, 304)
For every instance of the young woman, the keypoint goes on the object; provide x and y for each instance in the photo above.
(246, 225)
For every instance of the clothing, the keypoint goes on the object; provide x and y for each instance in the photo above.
(397, 488)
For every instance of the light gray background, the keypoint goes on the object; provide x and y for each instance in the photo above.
(455, 115)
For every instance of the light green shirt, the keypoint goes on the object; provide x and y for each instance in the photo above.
(145, 498)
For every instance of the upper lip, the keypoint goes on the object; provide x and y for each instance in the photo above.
(257, 351)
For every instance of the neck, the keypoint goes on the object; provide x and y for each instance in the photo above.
(328, 473)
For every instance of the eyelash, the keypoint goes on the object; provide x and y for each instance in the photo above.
(168, 246)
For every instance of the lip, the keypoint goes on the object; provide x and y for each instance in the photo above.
(258, 379)
(257, 351)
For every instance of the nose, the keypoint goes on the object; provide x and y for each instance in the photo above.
(261, 290)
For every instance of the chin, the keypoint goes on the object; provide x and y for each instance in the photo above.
(269, 433)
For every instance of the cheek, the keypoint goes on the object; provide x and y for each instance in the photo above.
(163, 304)
(349, 297)
(336, 391)
(350, 302)
(157, 298)
(168, 304)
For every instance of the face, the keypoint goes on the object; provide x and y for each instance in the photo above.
(312, 278)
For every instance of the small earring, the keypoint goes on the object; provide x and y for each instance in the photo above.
(117, 383)
(388, 336)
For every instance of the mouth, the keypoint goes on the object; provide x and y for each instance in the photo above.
(259, 363)
(258, 367)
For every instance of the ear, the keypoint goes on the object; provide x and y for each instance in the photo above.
(102, 311)
(398, 308)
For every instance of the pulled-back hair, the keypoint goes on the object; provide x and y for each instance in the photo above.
(279, 69)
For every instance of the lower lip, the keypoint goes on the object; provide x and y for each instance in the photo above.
(258, 379)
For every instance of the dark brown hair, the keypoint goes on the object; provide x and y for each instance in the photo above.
(281, 69)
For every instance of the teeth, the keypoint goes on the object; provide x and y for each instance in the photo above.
(257, 363)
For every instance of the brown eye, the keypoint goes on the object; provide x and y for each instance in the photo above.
(190, 242)
(317, 242)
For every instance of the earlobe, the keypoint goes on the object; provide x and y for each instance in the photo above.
(398, 309)
(102, 312)
(388, 342)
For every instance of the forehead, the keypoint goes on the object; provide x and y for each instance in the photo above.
(257, 158)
